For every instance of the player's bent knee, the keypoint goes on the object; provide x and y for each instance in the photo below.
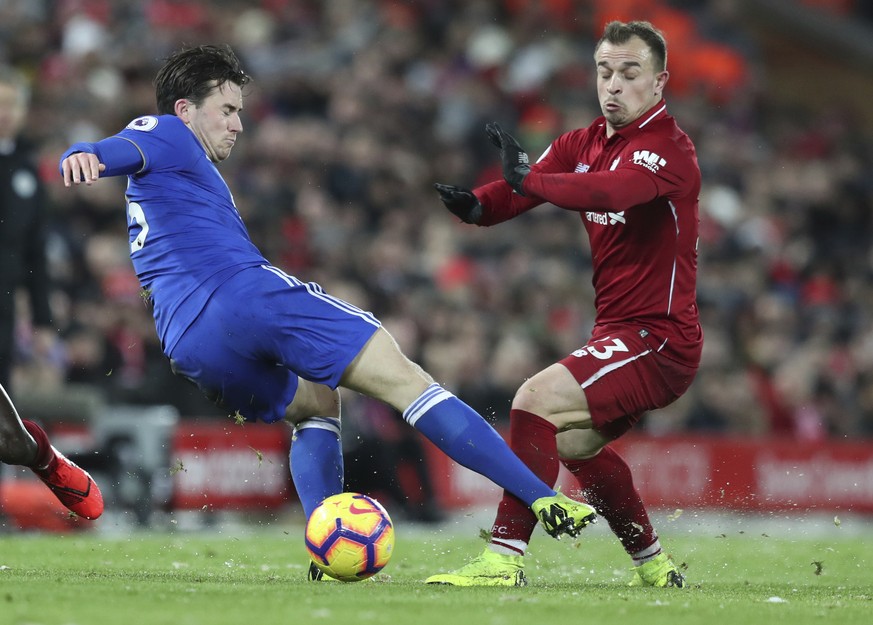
(527, 398)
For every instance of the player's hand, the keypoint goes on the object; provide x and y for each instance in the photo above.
(516, 164)
(461, 202)
(81, 167)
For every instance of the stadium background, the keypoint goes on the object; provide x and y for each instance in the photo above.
(357, 107)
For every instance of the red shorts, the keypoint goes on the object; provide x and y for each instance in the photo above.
(623, 375)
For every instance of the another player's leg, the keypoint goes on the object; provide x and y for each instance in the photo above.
(463, 435)
(25, 443)
(381, 371)
(608, 484)
(502, 561)
(316, 461)
(553, 392)
(316, 468)
(316, 456)
(619, 385)
(532, 438)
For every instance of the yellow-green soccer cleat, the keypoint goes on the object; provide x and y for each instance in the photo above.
(561, 515)
(659, 572)
(488, 569)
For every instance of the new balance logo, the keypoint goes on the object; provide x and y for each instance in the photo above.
(649, 160)
(581, 168)
(523, 158)
(555, 520)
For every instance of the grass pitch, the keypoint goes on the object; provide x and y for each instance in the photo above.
(738, 573)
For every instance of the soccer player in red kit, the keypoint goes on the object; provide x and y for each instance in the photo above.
(632, 176)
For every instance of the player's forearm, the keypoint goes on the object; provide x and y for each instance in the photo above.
(600, 191)
(120, 156)
(500, 203)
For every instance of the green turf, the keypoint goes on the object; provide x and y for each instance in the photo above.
(258, 577)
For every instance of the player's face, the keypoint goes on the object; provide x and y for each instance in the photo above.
(627, 83)
(216, 121)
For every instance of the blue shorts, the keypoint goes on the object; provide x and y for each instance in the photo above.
(259, 331)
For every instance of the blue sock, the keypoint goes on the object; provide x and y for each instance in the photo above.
(469, 440)
(316, 461)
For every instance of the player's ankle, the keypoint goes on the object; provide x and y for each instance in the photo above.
(45, 455)
(508, 547)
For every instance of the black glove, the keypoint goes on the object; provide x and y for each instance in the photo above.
(461, 202)
(516, 164)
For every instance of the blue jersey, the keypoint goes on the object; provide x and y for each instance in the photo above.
(186, 236)
(239, 328)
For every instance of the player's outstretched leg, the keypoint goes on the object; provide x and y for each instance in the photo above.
(487, 569)
(660, 572)
(561, 515)
(70, 484)
(463, 435)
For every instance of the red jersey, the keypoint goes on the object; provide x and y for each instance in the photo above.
(637, 193)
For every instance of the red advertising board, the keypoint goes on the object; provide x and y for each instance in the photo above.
(709, 472)
(748, 474)
(229, 466)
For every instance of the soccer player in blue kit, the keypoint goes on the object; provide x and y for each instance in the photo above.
(254, 339)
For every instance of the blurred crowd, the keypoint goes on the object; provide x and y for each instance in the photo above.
(358, 106)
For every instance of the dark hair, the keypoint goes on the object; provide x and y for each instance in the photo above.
(618, 33)
(193, 73)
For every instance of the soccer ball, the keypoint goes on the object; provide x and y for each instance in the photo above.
(350, 537)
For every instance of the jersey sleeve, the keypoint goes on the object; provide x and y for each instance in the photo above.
(120, 157)
(147, 144)
(501, 203)
(162, 141)
(639, 176)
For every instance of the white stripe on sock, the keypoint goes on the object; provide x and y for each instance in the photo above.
(508, 547)
(320, 423)
(649, 553)
(431, 396)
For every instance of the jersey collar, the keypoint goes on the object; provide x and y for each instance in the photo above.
(656, 112)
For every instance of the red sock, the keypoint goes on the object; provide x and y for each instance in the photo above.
(532, 438)
(608, 485)
(44, 454)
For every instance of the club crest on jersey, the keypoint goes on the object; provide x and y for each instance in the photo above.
(145, 123)
(651, 161)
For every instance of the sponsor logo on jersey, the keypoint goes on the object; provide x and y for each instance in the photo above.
(581, 168)
(651, 161)
(606, 219)
(145, 123)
